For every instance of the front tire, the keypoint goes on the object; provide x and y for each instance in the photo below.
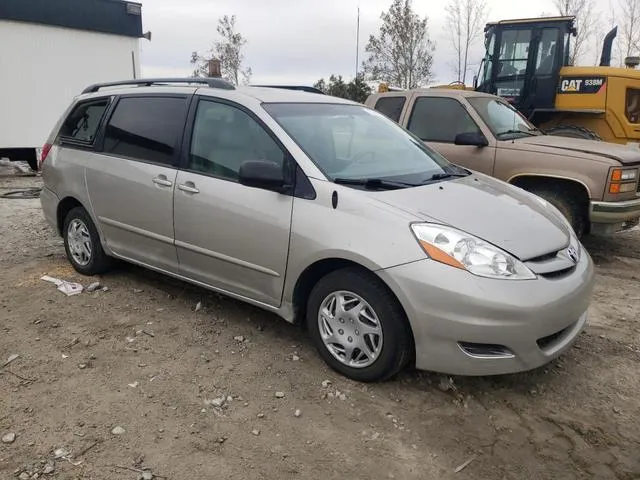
(569, 206)
(82, 244)
(358, 326)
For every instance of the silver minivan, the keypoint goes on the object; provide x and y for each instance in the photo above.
(323, 211)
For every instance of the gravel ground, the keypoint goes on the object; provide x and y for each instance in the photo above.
(154, 375)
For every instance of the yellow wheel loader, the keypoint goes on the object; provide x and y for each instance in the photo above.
(527, 62)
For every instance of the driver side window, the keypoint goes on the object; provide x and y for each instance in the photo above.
(440, 119)
(224, 137)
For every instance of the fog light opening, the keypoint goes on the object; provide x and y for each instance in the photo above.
(485, 350)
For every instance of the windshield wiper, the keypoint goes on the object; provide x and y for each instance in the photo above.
(507, 132)
(373, 183)
(441, 176)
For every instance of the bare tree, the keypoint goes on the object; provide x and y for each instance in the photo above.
(629, 32)
(586, 24)
(465, 22)
(228, 49)
(402, 53)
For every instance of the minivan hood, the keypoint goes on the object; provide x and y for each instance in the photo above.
(494, 211)
(576, 146)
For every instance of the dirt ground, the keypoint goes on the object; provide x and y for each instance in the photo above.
(140, 356)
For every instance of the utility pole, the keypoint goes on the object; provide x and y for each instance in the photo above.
(357, 42)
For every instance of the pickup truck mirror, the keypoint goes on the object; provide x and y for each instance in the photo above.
(475, 139)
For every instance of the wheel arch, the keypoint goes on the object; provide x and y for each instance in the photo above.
(64, 207)
(571, 189)
(523, 180)
(314, 272)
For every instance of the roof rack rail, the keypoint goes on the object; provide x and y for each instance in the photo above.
(303, 88)
(146, 82)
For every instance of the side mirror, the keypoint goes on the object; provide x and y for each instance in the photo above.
(262, 174)
(475, 139)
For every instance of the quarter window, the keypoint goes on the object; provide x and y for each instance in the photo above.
(224, 137)
(391, 107)
(435, 119)
(82, 123)
(146, 128)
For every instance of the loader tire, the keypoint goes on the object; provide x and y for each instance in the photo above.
(573, 131)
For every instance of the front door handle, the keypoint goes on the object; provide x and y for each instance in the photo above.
(189, 187)
(162, 180)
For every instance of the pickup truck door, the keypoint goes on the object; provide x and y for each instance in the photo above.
(438, 119)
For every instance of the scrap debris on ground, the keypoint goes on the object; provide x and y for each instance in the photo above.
(139, 376)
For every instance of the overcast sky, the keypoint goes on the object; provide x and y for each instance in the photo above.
(292, 41)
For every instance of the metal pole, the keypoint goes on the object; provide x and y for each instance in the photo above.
(357, 42)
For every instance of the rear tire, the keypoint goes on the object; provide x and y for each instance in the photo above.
(82, 244)
(378, 334)
(573, 131)
(569, 206)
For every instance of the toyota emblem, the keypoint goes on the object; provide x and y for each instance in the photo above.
(573, 254)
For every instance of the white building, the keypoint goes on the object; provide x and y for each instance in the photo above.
(50, 50)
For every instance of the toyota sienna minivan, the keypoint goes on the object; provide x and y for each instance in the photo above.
(323, 211)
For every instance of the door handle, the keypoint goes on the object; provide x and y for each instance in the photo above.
(162, 180)
(189, 187)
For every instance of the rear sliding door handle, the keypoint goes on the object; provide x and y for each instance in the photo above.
(189, 187)
(162, 180)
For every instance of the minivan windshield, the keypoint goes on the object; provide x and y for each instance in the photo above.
(355, 145)
(503, 119)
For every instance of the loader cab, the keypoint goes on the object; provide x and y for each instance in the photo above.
(523, 59)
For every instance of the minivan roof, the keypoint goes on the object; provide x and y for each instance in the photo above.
(213, 86)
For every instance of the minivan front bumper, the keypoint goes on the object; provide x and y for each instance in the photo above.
(467, 325)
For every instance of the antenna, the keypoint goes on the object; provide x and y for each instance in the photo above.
(357, 42)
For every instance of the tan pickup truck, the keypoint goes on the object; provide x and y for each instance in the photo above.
(594, 184)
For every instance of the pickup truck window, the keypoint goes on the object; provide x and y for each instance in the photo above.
(504, 121)
(440, 119)
(391, 107)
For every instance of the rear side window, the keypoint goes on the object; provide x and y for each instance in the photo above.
(391, 107)
(440, 119)
(82, 123)
(146, 128)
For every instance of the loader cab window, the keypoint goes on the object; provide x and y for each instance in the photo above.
(567, 48)
(514, 52)
(632, 110)
(547, 51)
(513, 55)
(487, 64)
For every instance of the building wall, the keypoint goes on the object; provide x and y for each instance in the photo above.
(42, 68)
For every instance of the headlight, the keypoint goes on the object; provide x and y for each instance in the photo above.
(460, 250)
(623, 175)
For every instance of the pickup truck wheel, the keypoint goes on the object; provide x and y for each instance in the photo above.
(358, 326)
(573, 131)
(568, 205)
(82, 244)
